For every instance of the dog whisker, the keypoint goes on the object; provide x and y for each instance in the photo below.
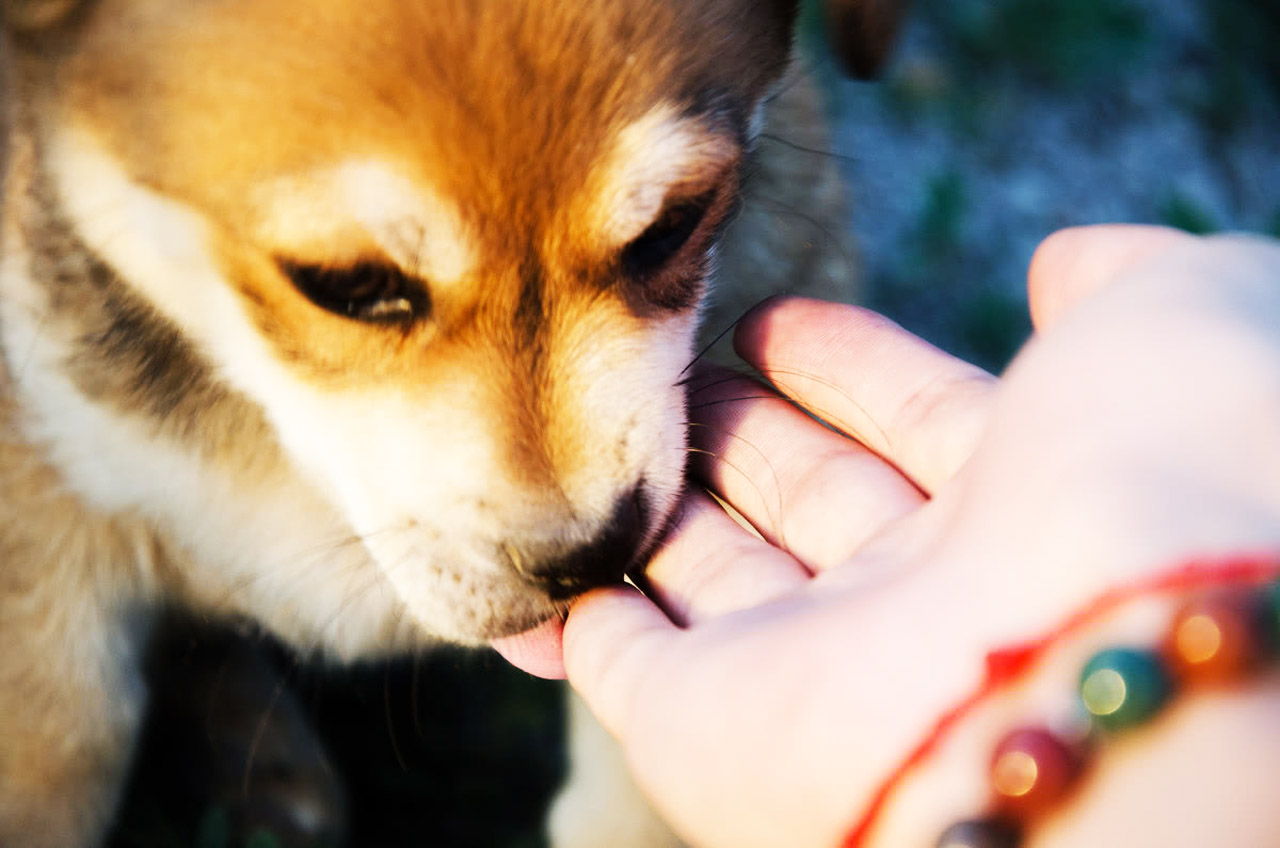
(718, 377)
(820, 413)
(828, 154)
(707, 348)
(831, 240)
(774, 517)
(706, 404)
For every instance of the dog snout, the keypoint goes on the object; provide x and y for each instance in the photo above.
(564, 571)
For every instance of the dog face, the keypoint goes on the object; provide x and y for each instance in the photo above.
(450, 253)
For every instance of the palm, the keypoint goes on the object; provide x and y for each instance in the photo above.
(894, 554)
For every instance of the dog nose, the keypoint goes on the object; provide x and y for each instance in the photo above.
(569, 571)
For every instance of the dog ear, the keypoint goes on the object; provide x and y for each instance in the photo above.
(34, 15)
(862, 32)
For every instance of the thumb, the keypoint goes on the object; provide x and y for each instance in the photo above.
(1071, 264)
(611, 639)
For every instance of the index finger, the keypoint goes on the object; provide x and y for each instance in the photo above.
(920, 408)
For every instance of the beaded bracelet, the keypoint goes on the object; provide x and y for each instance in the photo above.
(1220, 634)
(1214, 638)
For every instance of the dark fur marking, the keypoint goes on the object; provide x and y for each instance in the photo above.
(129, 356)
(722, 111)
(530, 313)
(161, 365)
(678, 292)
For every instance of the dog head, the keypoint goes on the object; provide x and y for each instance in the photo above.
(450, 251)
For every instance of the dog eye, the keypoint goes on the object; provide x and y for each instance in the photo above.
(367, 291)
(663, 239)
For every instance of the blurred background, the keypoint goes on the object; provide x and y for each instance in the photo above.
(996, 122)
(1000, 121)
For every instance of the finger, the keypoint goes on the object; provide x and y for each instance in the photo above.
(805, 488)
(611, 639)
(919, 408)
(710, 566)
(1071, 264)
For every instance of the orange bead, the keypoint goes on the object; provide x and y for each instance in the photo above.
(1031, 769)
(1215, 638)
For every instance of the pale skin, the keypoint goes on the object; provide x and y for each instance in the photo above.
(766, 687)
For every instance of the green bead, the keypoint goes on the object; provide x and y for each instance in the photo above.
(1121, 687)
(1271, 615)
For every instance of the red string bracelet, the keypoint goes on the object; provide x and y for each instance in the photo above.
(1009, 664)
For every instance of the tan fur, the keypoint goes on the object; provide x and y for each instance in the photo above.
(180, 422)
(63, 746)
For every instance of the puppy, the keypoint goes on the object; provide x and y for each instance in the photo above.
(361, 319)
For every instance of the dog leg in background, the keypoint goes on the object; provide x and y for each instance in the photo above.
(600, 805)
(228, 740)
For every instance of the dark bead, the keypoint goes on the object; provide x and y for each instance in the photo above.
(1122, 687)
(1031, 770)
(991, 833)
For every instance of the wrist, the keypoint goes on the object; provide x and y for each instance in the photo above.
(1141, 755)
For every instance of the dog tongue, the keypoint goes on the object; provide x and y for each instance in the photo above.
(537, 651)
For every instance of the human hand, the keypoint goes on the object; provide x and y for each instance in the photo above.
(776, 682)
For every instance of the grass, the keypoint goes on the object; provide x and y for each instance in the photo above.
(1061, 43)
(976, 319)
(1241, 57)
(942, 216)
(1184, 213)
